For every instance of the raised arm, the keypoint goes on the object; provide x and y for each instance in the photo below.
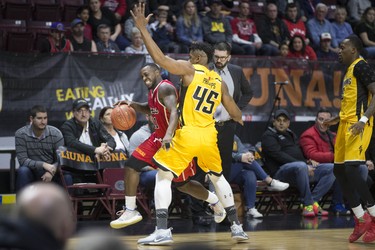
(176, 67)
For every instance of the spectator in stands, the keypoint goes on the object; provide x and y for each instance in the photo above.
(121, 139)
(216, 28)
(83, 13)
(272, 30)
(308, 8)
(365, 29)
(341, 28)
(318, 25)
(137, 46)
(45, 219)
(36, 145)
(245, 171)
(188, 26)
(163, 33)
(56, 41)
(118, 7)
(284, 49)
(356, 10)
(104, 43)
(298, 49)
(86, 134)
(294, 22)
(129, 23)
(78, 40)
(285, 161)
(323, 52)
(245, 32)
(102, 15)
(317, 143)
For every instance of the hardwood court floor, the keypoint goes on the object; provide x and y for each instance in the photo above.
(272, 232)
(333, 239)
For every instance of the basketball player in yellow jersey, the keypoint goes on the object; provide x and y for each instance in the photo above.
(353, 136)
(202, 91)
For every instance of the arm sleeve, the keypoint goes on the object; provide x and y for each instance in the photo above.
(364, 73)
(311, 150)
(21, 152)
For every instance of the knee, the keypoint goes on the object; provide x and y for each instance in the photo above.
(301, 169)
(24, 171)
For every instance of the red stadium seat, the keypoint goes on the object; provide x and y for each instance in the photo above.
(14, 36)
(46, 10)
(17, 9)
(70, 8)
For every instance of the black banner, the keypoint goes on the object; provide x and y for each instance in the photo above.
(57, 80)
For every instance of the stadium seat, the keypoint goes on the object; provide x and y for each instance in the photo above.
(257, 9)
(17, 9)
(40, 29)
(46, 10)
(69, 8)
(14, 36)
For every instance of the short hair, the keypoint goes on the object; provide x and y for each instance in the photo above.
(321, 6)
(223, 46)
(103, 26)
(323, 110)
(81, 9)
(356, 42)
(37, 109)
(203, 46)
(291, 5)
(154, 66)
(102, 112)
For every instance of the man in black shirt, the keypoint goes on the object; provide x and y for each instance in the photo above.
(285, 161)
(79, 42)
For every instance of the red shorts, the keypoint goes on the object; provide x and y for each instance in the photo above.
(148, 149)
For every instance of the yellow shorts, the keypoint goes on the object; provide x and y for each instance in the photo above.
(349, 148)
(190, 142)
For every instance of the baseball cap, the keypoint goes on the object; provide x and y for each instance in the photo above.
(75, 22)
(58, 26)
(79, 103)
(211, 2)
(325, 36)
(282, 112)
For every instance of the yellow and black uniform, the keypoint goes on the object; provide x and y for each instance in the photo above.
(355, 101)
(197, 136)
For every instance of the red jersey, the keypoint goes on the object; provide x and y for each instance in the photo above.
(159, 113)
(297, 28)
(243, 28)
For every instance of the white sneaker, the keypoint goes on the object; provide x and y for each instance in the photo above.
(254, 213)
(219, 212)
(277, 185)
(129, 217)
(237, 233)
(158, 237)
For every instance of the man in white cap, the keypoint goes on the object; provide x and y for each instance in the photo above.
(324, 52)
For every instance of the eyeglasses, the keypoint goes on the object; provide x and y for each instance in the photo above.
(82, 111)
(221, 57)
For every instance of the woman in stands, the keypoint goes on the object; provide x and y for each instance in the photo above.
(365, 29)
(299, 49)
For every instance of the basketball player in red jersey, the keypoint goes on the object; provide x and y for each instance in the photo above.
(162, 107)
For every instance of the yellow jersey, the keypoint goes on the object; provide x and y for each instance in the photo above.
(355, 95)
(200, 99)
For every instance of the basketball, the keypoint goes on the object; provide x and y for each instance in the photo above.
(123, 117)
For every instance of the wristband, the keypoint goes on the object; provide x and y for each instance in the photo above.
(363, 119)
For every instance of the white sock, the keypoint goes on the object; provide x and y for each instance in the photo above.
(371, 211)
(358, 211)
(223, 190)
(212, 198)
(130, 202)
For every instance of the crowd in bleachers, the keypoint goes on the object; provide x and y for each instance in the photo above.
(311, 29)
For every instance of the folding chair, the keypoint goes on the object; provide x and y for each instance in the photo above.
(115, 178)
(90, 192)
(92, 196)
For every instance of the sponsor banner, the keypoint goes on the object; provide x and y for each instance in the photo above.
(76, 160)
(57, 80)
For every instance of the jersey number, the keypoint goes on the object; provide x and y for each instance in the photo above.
(205, 99)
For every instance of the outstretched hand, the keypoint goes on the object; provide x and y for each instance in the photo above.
(139, 16)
